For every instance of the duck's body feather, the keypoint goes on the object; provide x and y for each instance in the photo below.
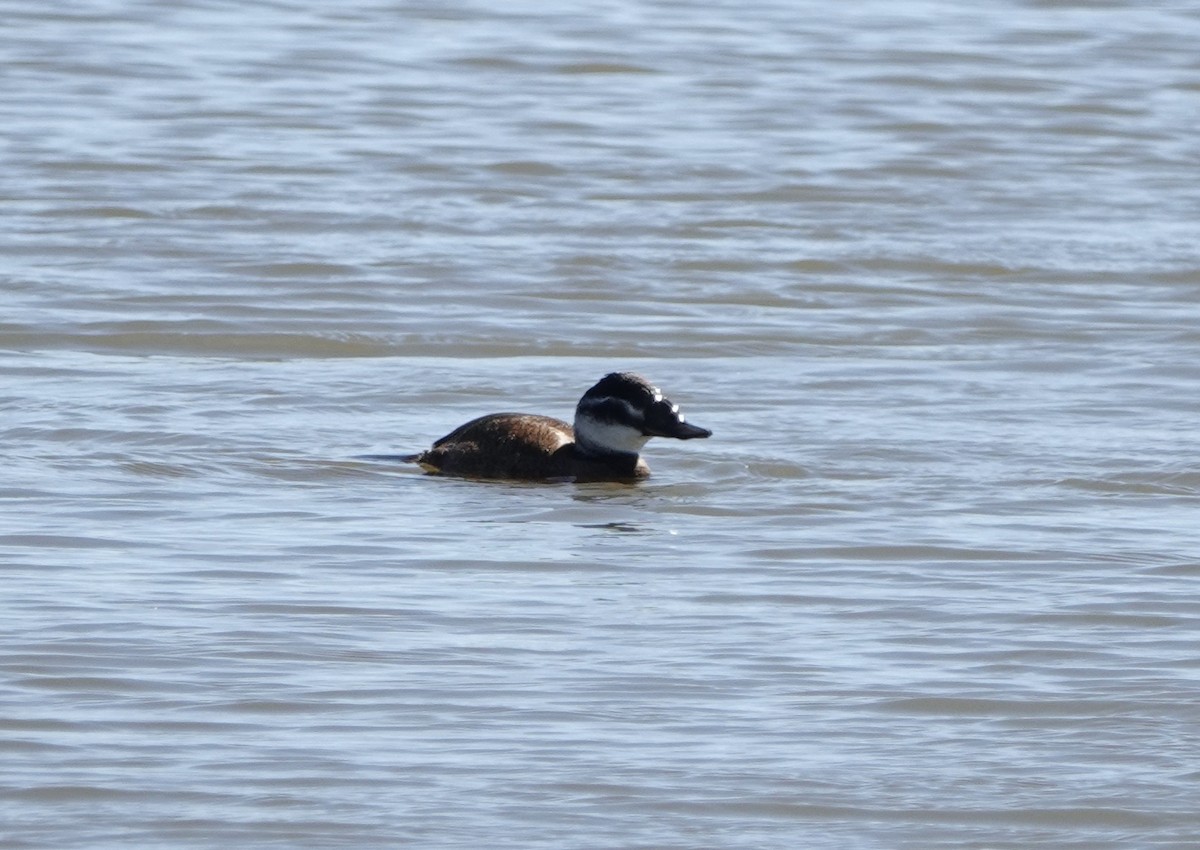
(520, 446)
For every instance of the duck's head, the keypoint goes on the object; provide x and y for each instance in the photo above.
(621, 412)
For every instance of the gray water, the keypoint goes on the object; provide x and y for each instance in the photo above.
(928, 270)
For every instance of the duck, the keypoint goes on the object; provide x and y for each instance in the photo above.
(613, 421)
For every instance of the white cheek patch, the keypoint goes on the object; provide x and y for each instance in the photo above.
(610, 436)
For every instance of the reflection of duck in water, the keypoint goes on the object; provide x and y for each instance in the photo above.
(613, 420)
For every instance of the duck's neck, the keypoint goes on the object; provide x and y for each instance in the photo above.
(608, 441)
(592, 450)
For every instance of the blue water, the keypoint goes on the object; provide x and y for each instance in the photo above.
(929, 274)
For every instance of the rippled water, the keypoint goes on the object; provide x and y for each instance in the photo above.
(928, 270)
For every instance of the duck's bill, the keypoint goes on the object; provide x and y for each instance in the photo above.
(688, 431)
(663, 419)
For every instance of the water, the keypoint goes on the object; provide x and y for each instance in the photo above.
(928, 271)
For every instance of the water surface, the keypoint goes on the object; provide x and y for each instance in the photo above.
(928, 272)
